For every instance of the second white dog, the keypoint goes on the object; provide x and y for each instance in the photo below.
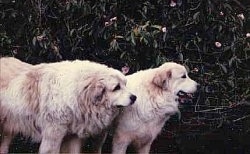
(158, 91)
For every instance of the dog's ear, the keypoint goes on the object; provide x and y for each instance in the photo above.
(161, 79)
(92, 93)
(97, 92)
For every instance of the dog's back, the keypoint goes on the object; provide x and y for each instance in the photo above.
(10, 68)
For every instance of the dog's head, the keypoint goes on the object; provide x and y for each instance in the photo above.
(108, 88)
(173, 77)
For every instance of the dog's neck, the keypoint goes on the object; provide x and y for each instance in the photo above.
(164, 105)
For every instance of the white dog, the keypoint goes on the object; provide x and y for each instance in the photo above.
(157, 91)
(50, 101)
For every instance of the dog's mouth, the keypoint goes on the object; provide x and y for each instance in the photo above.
(119, 106)
(184, 97)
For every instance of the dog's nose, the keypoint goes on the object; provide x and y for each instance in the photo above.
(133, 98)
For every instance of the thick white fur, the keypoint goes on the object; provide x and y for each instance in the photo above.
(50, 101)
(157, 100)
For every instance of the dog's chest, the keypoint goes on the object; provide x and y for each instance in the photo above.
(152, 128)
(92, 124)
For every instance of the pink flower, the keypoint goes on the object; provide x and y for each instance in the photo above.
(110, 22)
(172, 3)
(125, 69)
(221, 13)
(247, 35)
(107, 23)
(164, 29)
(113, 19)
(241, 16)
(217, 44)
(40, 37)
(196, 70)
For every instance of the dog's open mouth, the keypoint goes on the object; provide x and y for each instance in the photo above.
(119, 106)
(184, 97)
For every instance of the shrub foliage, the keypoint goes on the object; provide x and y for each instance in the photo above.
(210, 37)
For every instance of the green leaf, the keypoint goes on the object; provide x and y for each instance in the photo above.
(145, 40)
(71, 32)
(133, 38)
(181, 56)
(34, 41)
(156, 26)
(155, 44)
(231, 60)
(119, 37)
(122, 54)
(231, 83)
(196, 15)
(227, 6)
(223, 68)
(164, 37)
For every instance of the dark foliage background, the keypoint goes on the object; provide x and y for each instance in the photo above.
(210, 37)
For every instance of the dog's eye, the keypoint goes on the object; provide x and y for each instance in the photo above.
(184, 76)
(118, 87)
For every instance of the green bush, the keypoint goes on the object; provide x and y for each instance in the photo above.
(210, 37)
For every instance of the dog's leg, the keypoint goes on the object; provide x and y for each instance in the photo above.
(99, 141)
(52, 137)
(143, 144)
(144, 149)
(5, 142)
(120, 144)
(71, 144)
